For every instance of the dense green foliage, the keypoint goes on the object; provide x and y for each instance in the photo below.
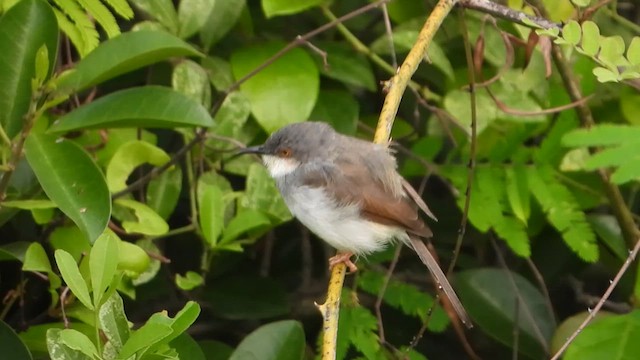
(130, 232)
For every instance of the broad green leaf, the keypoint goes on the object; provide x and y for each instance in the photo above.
(71, 275)
(490, 296)
(611, 337)
(192, 15)
(189, 281)
(287, 7)
(153, 264)
(30, 204)
(103, 263)
(630, 106)
(211, 213)
(132, 258)
(24, 29)
(36, 337)
(262, 194)
(571, 32)
(590, 38)
(190, 79)
(518, 192)
(148, 221)
(222, 18)
(187, 347)
(72, 180)
(10, 343)
(58, 350)
(612, 50)
(215, 350)
(339, 108)
(282, 340)
(220, 73)
(633, 51)
(346, 65)
(149, 334)
(609, 232)
(122, 54)
(148, 106)
(128, 157)
(71, 240)
(36, 259)
(282, 93)
(163, 192)
(76, 340)
(113, 321)
(245, 221)
(161, 10)
(602, 135)
(117, 137)
(179, 324)
(14, 251)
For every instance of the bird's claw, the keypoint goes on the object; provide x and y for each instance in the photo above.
(343, 258)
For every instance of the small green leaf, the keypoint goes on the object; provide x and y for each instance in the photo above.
(103, 263)
(42, 64)
(58, 350)
(163, 192)
(606, 75)
(211, 214)
(24, 29)
(148, 221)
(132, 258)
(10, 343)
(148, 335)
(602, 135)
(36, 259)
(122, 54)
(339, 108)
(287, 7)
(282, 93)
(72, 180)
(190, 79)
(581, 3)
(221, 19)
(590, 38)
(514, 234)
(282, 340)
(122, 8)
(113, 321)
(161, 10)
(71, 275)
(633, 52)
(611, 50)
(128, 157)
(262, 194)
(76, 340)
(190, 281)
(14, 251)
(609, 335)
(102, 16)
(245, 221)
(71, 240)
(518, 192)
(192, 15)
(29, 204)
(148, 106)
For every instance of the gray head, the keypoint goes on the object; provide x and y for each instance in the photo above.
(295, 144)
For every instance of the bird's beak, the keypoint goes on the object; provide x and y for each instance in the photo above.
(251, 150)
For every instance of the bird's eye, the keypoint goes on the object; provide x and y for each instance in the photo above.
(285, 152)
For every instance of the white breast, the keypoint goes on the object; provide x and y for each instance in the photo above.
(341, 227)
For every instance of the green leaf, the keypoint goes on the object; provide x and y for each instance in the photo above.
(58, 350)
(71, 240)
(590, 38)
(76, 340)
(211, 214)
(36, 259)
(215, 350)
(262, 194)
(282, 340)
(71, 275)
(148, 106)
(605, 75)
(245, 221)
(220, 73)
(633, 51)
(581, 3)
(611, 51)
(102, 15)
(612, 337)
(103, 263)
(148, 221)
(608, 229)
(72, 180)
(282, 93)
(161, 10)
(571, 32)
(490, 297)
(163, 192)
(339, 108)
(128, 157)
(14, 251)
(346, 65)
(187, 348)
(189, 78)
(113, 321)
(456, 102)
(30, 204)
(24, 29)
(563, 212)
(287, 7)
(42, 65)
(10, 343)
(122, 54)
(192, 15)
(518, 192)
(514, 234)
(221, 19)
(148, 335)
(602, 135)
(190, 281)
(122, 8)
(132, 258)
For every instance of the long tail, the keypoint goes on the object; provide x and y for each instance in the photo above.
(441, 279)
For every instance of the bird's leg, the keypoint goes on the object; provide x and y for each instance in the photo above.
(344, 258)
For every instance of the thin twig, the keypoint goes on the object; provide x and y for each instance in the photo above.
(605, 296)
(383, 289)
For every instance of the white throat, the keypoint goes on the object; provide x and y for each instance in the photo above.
(279, 167)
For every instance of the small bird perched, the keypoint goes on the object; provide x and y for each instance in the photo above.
(348, 192)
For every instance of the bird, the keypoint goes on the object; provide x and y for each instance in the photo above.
(348, 192)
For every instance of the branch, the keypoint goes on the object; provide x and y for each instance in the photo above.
(503, 12)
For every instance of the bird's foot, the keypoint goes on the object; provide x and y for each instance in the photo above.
(343, 258)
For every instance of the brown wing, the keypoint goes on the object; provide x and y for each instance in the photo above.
(353, 183)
